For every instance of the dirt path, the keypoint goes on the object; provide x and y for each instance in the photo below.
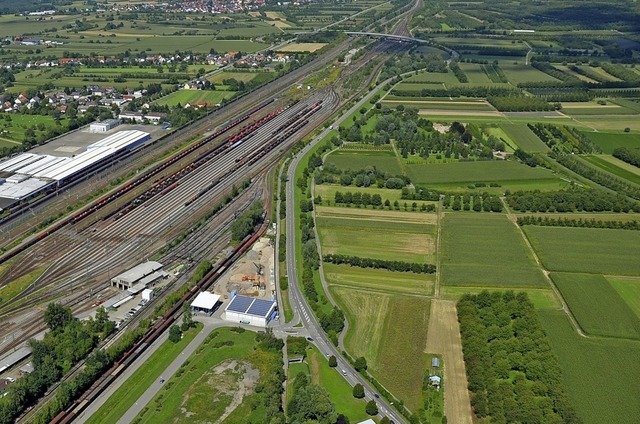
(444, 339)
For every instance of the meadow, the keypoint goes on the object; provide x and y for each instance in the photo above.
(615, 166)
(441, 105)
(389, 330)
(378, 280)
(195, 96)
(402, 236)
(475, 73)
(13, 126)
(596, 305)
(519, 72)
(590, 250)
(481, 250)
(382, 160)
(524, 138)
(629, 290)
(609, 141)
(601, 374)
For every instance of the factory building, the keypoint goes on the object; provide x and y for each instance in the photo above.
(139, 277)
(205, 303)
(104, 126)
(250, 310)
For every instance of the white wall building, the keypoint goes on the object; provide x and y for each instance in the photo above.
(250, 310)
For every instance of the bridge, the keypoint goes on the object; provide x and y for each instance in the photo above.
(388, 36)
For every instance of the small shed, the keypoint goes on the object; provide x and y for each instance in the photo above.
(435, 362)
(435, 380)
(205, 303)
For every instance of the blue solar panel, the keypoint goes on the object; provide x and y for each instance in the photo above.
(260, 307)
(240, 304)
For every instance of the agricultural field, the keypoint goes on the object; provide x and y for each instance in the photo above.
(590, 250)
(615, 166)
(593, 108)
(383, 160)
(466, 106)
(596, 371)
(193, 97)
(519, 72)
(429, 77)
(486, 250)
(301, 47)
(389, 330)
(598, 308)
(629, 290)
(378, 280)
(389, 235)
(608, 141)
(524, 138)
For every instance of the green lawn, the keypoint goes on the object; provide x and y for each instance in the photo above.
(524, 138)
(378, 280)
(608, 141)
(194, 96)
(591, 250)
(148, 374)
(14, 125)
(390, 331)
(629, 290)
(601, 375)
(389, 235)
(383, 160)
(486, 250)
(599, 309)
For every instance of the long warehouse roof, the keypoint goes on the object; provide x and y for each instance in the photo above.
(14, 160)
(22, 189)
(42, 162)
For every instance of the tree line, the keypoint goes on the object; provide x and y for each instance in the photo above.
(581, 223)
(399, 266)
(458, 72)
(512, 372)
(457, 91)
(519, 103)
(631, 156)
(571, 200)
(563, 138)
(484, 202)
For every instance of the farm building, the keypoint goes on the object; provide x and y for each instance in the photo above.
(104, 126)
(140, 276)
(250, 310)
(435, 362)
(205, 303)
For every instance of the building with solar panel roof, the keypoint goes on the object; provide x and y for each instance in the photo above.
(250, 310)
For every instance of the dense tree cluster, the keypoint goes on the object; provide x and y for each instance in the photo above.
(519, 103)
(367, 177)
(420, 193)
(603, 178)
(631, 156)
(244, 225)
(400, 64)
(310, 403)
(297, 346)
(621, 72)
(512, 372)
(272, 377)
(581, 223)
(69, 341)
(484, 202)
(400, 266)
(458, 91)
(575, 199)
(458, 72)
(563, 138)
(365, 199)
(527, 158)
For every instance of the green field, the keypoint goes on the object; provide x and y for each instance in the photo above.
(430, 77)
(601, 375)
(14, 125)
(390, 235)
(378, 280)
(472, 172)
(592, 108)
(609, 141)
(517, 73)
(390, 331)
(475, 73)
(615, 166)
(441, 105)
(149, 373)
(591, 250)
(486, 250)
(382, 160)
(194, 96)
(524, 138)
(599, 309)
(629, 290)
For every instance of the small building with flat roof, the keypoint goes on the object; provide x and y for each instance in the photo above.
(205, 303)
(148, 271)
(104, 126)
(250, 310)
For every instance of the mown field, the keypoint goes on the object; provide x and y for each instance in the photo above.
(601, 375)
(192, 97)
(591, 250)
(629, 290)
(390, 330)
(382, 160)
(599, 309)
(486, 250)
(378, 280)
(524, 138)
(615, 166)
(390, 235)
(519, 72)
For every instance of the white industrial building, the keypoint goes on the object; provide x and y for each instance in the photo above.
(250, 310)
(205, 303)
(104, 126)
(139, 277)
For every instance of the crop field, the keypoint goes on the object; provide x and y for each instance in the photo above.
(541, 298)
(610, 123)
(441, 105)
(378, 280)
(609, 141)
(517, 73)
(472, 172)
(302, 47)
(615, 166)
(385, 161)
(402, 236)
(430, 77)
(524, 138)
(486, 250)
(390, 331)
(195, 96)
(591, 250)
(592, 108)
(475, 73)
(629, 290)
(599, 309)
(601, 374)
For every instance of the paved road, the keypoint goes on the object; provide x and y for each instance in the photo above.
(298, 302)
